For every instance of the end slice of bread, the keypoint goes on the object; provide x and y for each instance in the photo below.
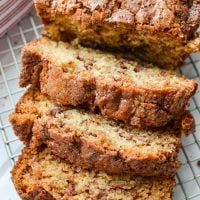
(156, 31)
(137, 94)
(92, 141)
(44, 176)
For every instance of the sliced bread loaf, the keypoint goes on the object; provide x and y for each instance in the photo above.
(140, 95)
(43, 176)
(157, 31)
(93, 142)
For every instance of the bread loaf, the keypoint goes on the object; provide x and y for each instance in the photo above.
(161, 32)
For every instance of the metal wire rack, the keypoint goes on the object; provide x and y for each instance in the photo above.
(187, 178)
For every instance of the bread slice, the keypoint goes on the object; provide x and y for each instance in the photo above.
(140, 95)
(91, 141)
(44, 176)
(157, 31)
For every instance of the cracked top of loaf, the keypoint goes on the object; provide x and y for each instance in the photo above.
(179, 18)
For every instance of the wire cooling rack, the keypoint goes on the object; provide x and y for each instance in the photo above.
(188, 176)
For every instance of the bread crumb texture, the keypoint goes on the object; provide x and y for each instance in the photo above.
(93, 141)
(137, 94)
(43, 173)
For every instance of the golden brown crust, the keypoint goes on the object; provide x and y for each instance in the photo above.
(158, 32)
(29, 178)
(138, 106)
(38, 193)
(67, 143)
(22, 126)
(188, 123)
(23, 123)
